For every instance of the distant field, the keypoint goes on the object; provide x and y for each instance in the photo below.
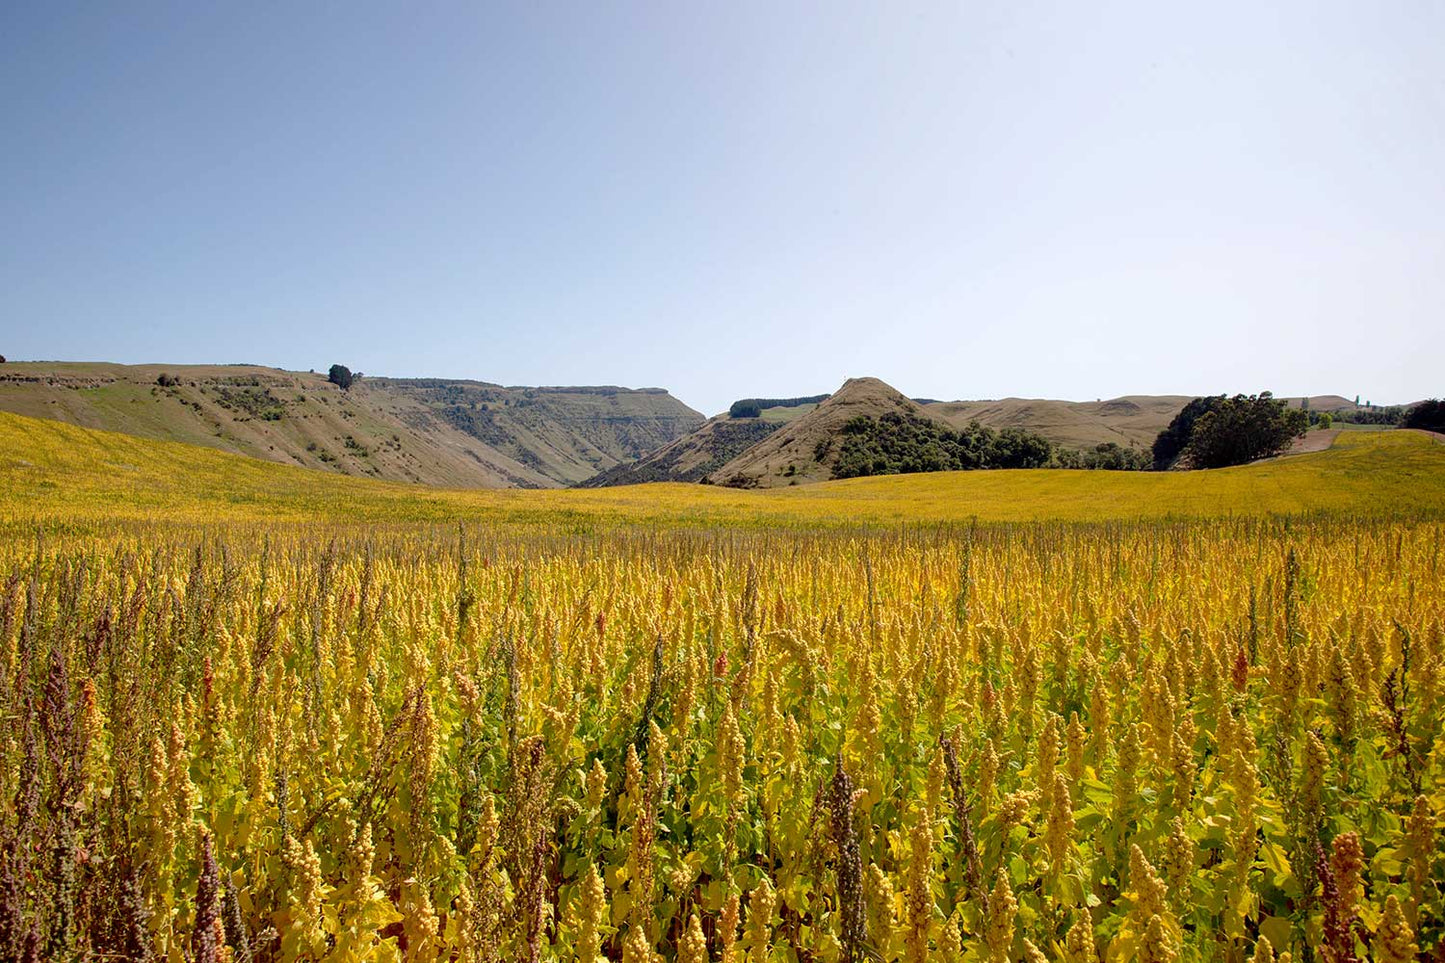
(62, 474)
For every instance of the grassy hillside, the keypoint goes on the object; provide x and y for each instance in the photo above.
(704, 450)
(1131, 421)
(461, 434)
(805, 449)
(695, 455)
(64, 476)
(1135, 420)
(782, 414)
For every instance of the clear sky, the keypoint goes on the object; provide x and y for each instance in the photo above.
(1070, 200)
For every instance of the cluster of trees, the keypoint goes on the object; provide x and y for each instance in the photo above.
(1423, 415)
(1170, 443)
(1389, 415)
(1217, 431)
(1429, 415)
(754, 407)
(900, 444)
(1110, 456)
(342, 376)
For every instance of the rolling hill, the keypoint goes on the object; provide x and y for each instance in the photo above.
(705, 449)
(1134, 420)
(1131, 421)
(475, 434)
(60, 477)
(754, 452)
(460, 434)
(694, 456)
(803, 450)
(708, 453)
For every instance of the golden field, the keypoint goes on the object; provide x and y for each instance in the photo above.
(267, 714)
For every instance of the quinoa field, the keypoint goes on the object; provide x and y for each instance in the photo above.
(260, 714)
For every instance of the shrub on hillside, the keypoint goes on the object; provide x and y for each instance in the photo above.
(341, 376)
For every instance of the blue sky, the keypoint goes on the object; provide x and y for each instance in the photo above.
(979, 200)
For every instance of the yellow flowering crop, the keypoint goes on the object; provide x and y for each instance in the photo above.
(580, 728)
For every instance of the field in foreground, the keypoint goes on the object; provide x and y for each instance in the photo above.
(1148, 741)
(683, 724)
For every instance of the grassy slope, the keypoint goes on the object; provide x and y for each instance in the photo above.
(455, 434)
(60, 473)
(783, 414)
(1132, 421)
(788, 457)
(691, 457)
(701, 451)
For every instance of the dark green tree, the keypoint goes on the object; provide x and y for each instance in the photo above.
(1392, 415)
(1110, 456)
(341, 376)
(1171, 441)
(1016, 448)
(1242, 429)
(903, 443)
(1429, 415)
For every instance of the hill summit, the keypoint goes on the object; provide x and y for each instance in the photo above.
(806, 449)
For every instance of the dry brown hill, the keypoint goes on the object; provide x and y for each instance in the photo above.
(1327, 403)
(700, 452)
(1131, 420)
(722, 450)
(802, 450)
(468, 434)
